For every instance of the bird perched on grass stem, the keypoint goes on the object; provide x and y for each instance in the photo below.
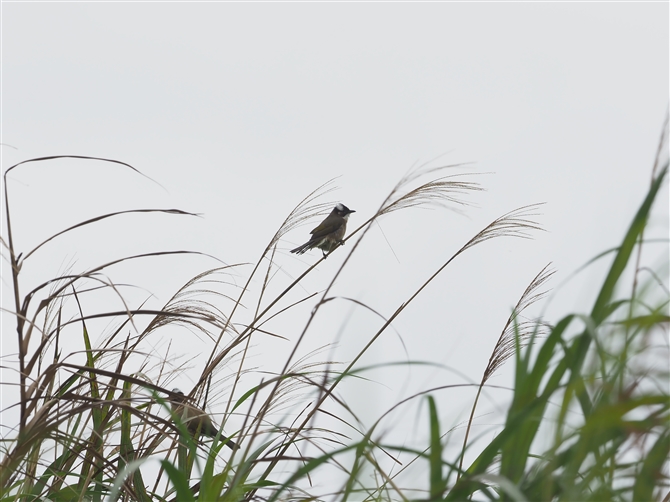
(195, 419)
(329, 234)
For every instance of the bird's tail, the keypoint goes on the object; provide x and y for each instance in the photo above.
(229, 442)
(224, 439)
(302, 249)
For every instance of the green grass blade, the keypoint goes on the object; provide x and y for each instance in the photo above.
(652, 468)
(435, 457)
(599, 311)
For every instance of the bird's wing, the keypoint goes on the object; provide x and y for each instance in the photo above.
(324, 229)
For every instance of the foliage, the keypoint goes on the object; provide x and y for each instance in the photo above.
(588, 419)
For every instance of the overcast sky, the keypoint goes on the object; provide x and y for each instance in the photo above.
(239, 110)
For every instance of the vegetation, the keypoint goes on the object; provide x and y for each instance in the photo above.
(588, 420)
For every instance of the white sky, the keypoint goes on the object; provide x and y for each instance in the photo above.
(240, 110)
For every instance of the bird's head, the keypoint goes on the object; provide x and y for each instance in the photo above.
(343, 211)
(177, 395)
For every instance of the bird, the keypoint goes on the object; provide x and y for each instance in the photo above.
(329, 234)
(195, 419)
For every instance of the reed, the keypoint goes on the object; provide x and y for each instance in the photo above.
(588, 419)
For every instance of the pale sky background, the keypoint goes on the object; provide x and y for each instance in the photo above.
(240, 110)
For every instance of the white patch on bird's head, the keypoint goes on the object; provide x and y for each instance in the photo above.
(341, 207)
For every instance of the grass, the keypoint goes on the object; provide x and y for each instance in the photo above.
(588, 419)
